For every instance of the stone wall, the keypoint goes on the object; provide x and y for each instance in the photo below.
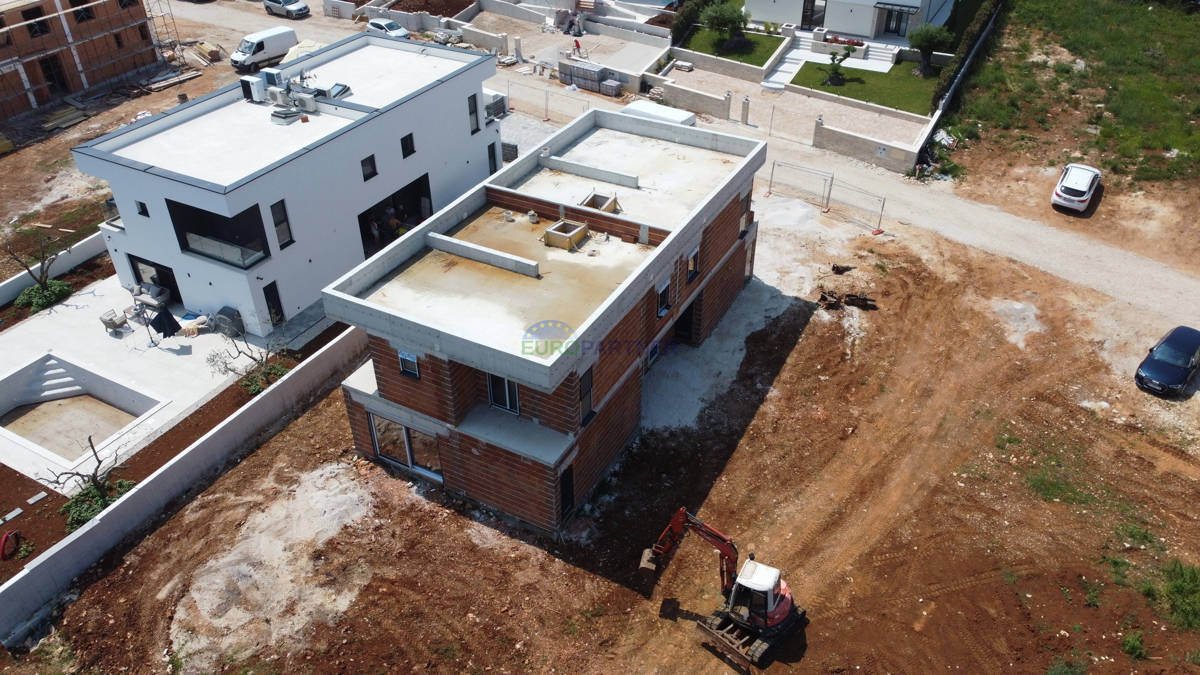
(891, 156)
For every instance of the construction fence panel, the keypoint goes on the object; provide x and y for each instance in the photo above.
(811, 185)
(790, 125)
(564, 108)
(529, 100)
(864, 207)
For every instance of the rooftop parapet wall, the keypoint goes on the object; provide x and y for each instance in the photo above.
(344, 298)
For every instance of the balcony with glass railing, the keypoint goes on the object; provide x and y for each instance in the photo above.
(216, 249)
(112, 217)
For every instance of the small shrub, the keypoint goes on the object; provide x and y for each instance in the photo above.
(1067, 668)
(37, 298)
(1193, 657)
(1133, 646)
(1091, 592)
(1182, 591)
(255, 382)
(26, 549)
(88, 502)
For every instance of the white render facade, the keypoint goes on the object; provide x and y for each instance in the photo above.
(228, 208)
(860, 18)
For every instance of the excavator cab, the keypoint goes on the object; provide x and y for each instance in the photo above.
(756, 595)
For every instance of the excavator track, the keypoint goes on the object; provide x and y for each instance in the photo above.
(733, 640)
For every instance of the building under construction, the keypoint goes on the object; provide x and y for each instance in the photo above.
(54, 48)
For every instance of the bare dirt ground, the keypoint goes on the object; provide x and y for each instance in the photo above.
(937, 495)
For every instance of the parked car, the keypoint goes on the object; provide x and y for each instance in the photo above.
(387, 27)
(292, 9)
(1076, 186)
(1172, 363)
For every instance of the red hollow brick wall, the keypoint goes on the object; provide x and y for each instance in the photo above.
(595, 220)
(444, 391)
(605, 436)
(516, 485)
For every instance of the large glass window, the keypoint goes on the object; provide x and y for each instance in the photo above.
(409, 447)
(283, 229)
(239, 241)
(473, 111)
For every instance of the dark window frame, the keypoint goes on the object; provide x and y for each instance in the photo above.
(408, 146)
(369, 170)
(511, 402)
(142, 209)
(587, 409)
(6, 36)
(36, 24)
(664, 300)
(84, 14)
(493, 165)
(406, 464)
(693, 265)
(143, 32)
(286, 223)
(118, 40)
(413, 372)
(473, 112)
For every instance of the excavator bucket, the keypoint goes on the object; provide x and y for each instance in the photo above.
(649, 565)
(725, 635)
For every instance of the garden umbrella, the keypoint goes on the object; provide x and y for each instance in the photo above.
(165, 324)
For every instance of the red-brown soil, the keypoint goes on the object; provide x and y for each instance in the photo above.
(449, 8)
(50, 527)
(664, 20)
(885, 461)
(84, 274)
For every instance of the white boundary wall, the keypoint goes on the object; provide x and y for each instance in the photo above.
(26, 599)
(84, 250)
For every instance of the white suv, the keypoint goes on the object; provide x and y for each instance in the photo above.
(1076, 186)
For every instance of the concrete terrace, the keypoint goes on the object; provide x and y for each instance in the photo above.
(494, 306)
(470, 284)
(671, 178)
(175, 373)
(223, 139)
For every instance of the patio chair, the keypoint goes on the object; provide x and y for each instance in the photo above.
(115, 323)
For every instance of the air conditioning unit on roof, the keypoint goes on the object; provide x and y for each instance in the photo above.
(278, 96)
(306, 102)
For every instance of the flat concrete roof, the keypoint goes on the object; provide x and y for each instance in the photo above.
(673, 178)
(222, 139)
(230, 142)
(495, 307)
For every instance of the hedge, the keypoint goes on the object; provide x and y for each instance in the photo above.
(970, 36)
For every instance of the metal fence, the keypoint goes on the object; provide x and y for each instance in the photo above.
(545, 104)
(865, 207)
(808, 184)
(822, 189)
(789, 125)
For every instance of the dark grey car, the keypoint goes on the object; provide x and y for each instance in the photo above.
(1171, 364)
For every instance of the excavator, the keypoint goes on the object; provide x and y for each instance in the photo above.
(758, 614)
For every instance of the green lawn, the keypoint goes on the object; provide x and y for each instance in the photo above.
(705, 41)
(897, 88)
(1140, 89)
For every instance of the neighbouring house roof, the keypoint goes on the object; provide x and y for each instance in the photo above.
(222, 140)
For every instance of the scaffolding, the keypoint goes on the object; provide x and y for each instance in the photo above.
(52, 49)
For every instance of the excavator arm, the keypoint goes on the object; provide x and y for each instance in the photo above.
(683, 521)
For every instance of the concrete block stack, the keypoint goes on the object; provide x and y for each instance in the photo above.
(610, 88)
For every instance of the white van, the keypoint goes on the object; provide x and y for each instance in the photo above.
(264, 48)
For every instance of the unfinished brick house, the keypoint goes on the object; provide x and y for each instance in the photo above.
(508, 349)
(51, 48)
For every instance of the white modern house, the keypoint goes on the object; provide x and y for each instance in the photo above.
(860, 18)
(262, 193)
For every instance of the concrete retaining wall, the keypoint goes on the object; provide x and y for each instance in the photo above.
(891, 156)
(691, 99)
(88, 248)
(512, 11)
(469, 13)
(778, 55)
(939, 58)
(855, 103)
(345, 10)
(586, 171)
(591, 26)
(26, 599)
(629, 24)
(485, 40)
